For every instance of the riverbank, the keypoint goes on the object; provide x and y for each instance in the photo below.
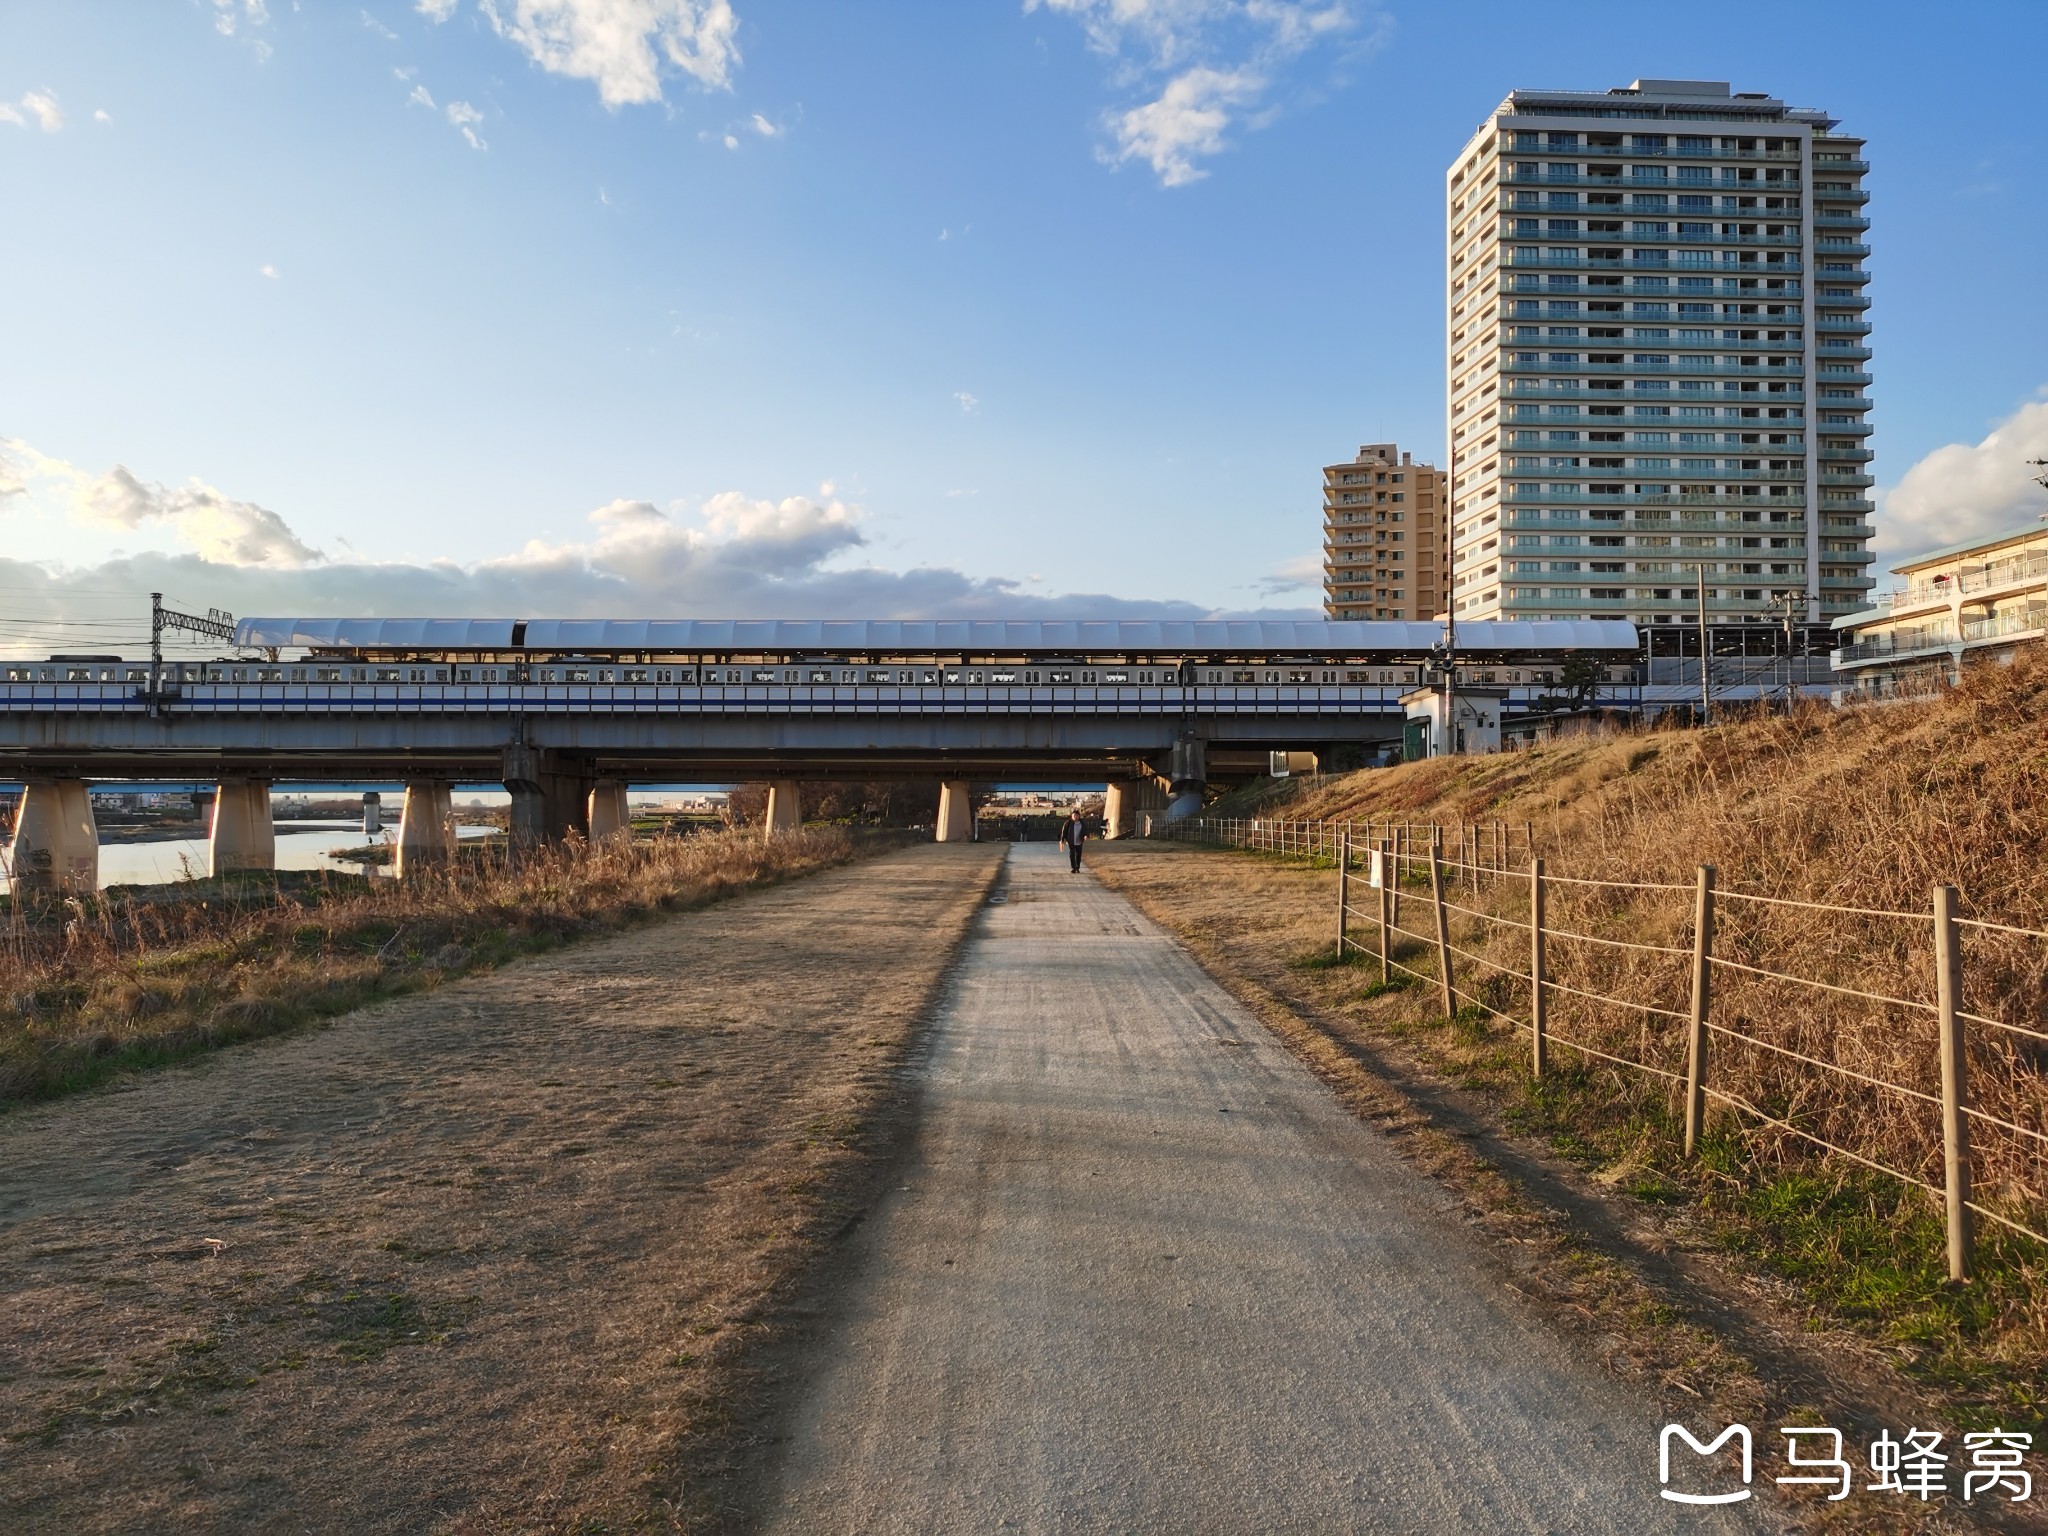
(123, 981)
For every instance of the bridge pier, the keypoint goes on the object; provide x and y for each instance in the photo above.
(548, 801)
(608, 814)
(1187, 777)
(1126, 803)
(244, 836)
(56, 844)
(785, 809)
(426, 834)
(956, 812)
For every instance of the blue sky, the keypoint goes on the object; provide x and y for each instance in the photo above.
(670, 306)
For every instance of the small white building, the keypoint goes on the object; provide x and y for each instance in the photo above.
(1476, 714)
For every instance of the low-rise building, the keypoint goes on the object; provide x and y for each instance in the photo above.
(1384, 555)
(1974, 600)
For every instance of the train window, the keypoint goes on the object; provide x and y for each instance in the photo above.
(664, 675)
(1062, 677)
(1301, 677)
(928, 675)
(1030, 677)
(1002, 677)
(137, 675)
(1112, 677)
(387, 674)
(954, 675)
(1272, 677)
(78, 675)
(733, 675)
(270, 675)
(577, 674)
(762, 675)
(878, 674)
(465, 674)
(820, 675)
(327, 674)
(1244, 677)
(906, 676)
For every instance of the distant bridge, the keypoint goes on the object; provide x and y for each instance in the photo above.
(566, 713)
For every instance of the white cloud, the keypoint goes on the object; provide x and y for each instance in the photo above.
(378, 27)
(100, 116)
(968, 403)
(40, 105)
(255, 12)
(1303, 572)
(420, 96)
(729, 556)
(218, 528)
(1964, 491)
(623, 46)
(465, 118)
(267, 270)
(436, 11)
(763, 127)
(731, 142)
(1187, 120)
(1203, 67)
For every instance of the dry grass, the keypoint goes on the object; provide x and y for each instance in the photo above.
(499, 1256)
(90, 987)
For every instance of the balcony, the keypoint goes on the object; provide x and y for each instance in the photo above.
(1822, 219)
(1838, 324)
(1989, 578)
(1840, 167)
(1823, 248)
(1730, 370)
(1794, 473)
(1836, 195)
(1522, 495)
(1845, 455)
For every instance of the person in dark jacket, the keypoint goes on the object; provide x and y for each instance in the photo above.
(1072, 834)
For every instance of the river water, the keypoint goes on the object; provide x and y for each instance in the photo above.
(300, 845)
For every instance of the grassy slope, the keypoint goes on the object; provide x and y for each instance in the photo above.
(1867, 807)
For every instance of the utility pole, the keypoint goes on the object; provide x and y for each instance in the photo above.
(1706, 688)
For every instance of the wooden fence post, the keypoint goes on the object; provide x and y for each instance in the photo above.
(1955, 1095)
(1539, 1003)
(1386, 934)
(1443, 929)
(1343, 888)
(1696, 1034)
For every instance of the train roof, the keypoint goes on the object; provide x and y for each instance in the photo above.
(943, 636)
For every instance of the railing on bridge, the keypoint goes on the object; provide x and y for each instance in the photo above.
(1708, 973)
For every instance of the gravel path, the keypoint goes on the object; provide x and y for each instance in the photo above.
(1143, 1273)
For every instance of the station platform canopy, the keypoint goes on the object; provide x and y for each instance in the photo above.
(936, 637)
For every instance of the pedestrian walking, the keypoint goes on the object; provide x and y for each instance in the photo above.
(1072, 834)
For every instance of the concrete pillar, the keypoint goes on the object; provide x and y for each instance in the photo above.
(1188, 777)
(243, 835)
(549, 798)
(785, 809)
(1128, 802)
(609, 816)
(426, 832)
(956, 812)
(56, 844)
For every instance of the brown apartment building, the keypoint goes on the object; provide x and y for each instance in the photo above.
(1383, 543)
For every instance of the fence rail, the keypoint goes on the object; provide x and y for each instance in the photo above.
(1720, 990)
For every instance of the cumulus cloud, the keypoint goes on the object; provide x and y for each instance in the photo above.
(623, 46)
(436, 11)
(39, 105)
(421, 97)
(969, 404)
(1963, 491)
(729, 556)
(465, 118)
(1203, 68)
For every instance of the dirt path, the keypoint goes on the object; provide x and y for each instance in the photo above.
(474, 1260)
(1143, 1272)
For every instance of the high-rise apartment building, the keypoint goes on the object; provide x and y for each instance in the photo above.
(1383, 537)
(1658, 358)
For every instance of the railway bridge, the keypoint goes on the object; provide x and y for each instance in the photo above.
(567, 713)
